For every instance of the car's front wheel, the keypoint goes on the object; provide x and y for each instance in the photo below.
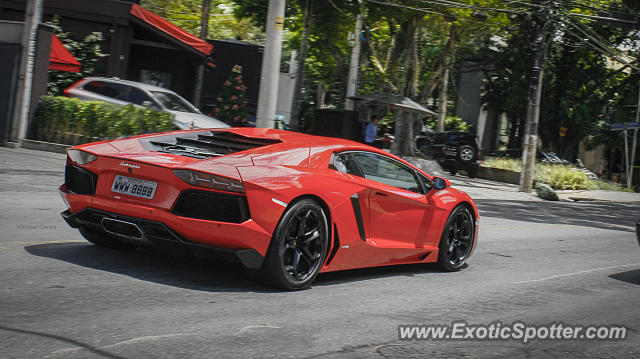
(298, 246)
(457, 239)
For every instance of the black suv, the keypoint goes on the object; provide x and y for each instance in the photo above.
(453, 150)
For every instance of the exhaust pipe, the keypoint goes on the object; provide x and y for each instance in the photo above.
(122, 228)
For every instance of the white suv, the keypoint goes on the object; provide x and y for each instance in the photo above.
(124, 92)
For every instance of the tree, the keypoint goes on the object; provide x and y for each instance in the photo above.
(86, 50)
(222, 22)
(232, 106)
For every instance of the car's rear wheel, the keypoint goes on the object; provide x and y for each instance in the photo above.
(457, 239)
(466, 153)
(102, 239)
(298, 247)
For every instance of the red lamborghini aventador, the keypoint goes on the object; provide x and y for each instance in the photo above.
(287, 204)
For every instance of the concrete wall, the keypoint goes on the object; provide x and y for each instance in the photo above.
(286, 86)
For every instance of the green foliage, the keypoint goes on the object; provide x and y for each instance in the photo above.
(559, 177)
(232, 106)
(451, 123)
(223, 24)
(72, 121)
(85, 49)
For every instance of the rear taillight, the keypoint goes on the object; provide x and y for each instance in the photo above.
(66, 91)
(207, 180)
(81, 157)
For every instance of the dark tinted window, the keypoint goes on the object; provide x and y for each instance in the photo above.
(138, 97)
(108, 89)
(388, 171)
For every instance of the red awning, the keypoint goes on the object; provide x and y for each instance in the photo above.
(171, 29)
(60, 58)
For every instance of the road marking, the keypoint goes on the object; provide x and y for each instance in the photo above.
(124, 342)
(252, 327)
(575, 273)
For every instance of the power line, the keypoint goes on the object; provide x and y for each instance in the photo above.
(465, 6)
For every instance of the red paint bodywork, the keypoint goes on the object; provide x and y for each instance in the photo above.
(401, 227)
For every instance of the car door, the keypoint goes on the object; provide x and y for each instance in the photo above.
(399, 213)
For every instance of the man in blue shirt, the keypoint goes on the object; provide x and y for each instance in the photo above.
(371, 131)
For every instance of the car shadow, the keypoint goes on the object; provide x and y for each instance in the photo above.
(632, 276)
(155, 266)
(605, 215)
(363, 274)
(197, 274)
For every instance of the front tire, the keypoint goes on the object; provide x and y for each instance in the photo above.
(298, 247)
(457, 239)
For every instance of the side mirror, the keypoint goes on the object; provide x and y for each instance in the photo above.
(439, 183)
(147, 103)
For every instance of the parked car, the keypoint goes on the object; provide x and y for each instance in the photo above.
(262, 198)
(454, 151)
(124, 92)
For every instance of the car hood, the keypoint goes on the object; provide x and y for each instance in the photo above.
(185, 120)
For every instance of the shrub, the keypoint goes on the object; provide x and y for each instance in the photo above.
(72, 121)
(557, 176)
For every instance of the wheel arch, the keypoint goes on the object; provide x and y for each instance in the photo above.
(327, 212)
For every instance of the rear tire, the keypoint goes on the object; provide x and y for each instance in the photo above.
(298, 247)
(102, 239)
(457, 239)
(466, 153)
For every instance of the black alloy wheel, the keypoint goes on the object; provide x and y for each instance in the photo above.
(298, 247)
(457, 239)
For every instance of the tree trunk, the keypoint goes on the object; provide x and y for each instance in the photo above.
(302, 57)
(405, 121)
(443, 100)
(445, 58)
(204, 30)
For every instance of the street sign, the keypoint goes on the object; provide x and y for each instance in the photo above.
(622, 126)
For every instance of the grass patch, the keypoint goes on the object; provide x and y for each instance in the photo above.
(557, 176)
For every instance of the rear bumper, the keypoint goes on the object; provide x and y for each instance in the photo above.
(158, 234)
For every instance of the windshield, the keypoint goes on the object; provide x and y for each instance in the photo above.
(173, 102)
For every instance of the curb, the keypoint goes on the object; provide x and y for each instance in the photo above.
(45, 146)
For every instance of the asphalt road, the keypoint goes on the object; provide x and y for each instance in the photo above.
(537, 262)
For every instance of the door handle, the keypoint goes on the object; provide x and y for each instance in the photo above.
(381, 194)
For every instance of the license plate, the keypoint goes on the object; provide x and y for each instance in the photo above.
(134, 187)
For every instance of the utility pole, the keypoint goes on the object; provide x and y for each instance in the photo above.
(635, 142)
(270, 75)
(33, 16)
(352, 82)
(204, 31)
(530, 147)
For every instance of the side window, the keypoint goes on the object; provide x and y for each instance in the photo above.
(344, 162)
(138, 97)
(385, 170)
(107, 89)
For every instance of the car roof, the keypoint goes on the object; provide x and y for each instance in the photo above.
(129, 82)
